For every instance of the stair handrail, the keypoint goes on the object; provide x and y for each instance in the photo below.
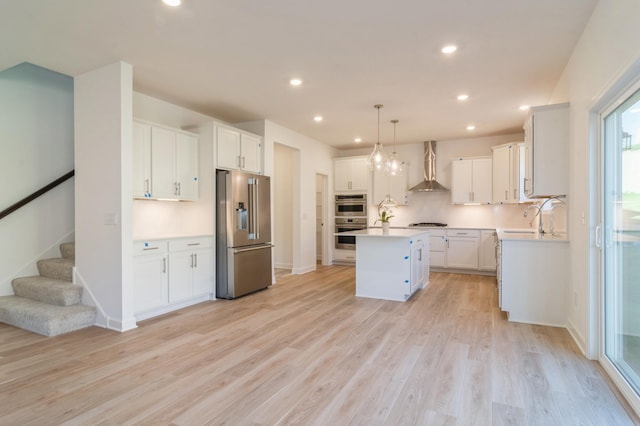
(29, 198)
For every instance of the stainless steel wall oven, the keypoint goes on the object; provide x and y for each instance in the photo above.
(344, 224)
(351, 205)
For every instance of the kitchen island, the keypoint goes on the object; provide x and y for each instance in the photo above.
(391, 266)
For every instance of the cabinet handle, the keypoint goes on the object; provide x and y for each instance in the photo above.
(420, 254)
(192, 260)
(239, 161)
(195, 257)
(193, 244)
(244, 161)
(146, 186)
(447, 243)
(150, 248)
(164, 265)
(179, 189)
(524, 184)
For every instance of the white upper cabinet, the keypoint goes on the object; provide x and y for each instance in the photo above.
(237, 150)
(351, 174)
(165, 163)
(471, 180)
(547, 151)
(506, 173)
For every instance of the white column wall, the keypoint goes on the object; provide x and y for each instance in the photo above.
(103, 157)
(608, 48)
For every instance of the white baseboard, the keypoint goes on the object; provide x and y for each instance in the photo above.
(304, 270)
(578, 338)
(283, 266)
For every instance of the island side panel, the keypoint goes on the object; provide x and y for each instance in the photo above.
(383, 268)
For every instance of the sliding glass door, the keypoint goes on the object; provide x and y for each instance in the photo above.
(621, 238)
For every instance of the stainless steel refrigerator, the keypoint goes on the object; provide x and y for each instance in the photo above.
(243, 233)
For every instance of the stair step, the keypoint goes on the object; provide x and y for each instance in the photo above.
(45, 319)
(68, 250)
(47, 290)
(61, 269)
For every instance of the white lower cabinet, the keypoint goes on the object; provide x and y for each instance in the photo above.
(533, 281)
(487, 251)
(150, 263)
(438, 248)
(462, 248)
(171, 274)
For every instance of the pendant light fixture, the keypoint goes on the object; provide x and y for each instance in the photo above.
(378, 160)
(395, 165)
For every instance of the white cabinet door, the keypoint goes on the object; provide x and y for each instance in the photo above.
(163, 163)
(481, 181)
(251, 153)
(341, 175)
(437, 248)
(227, 148)
(487, 251)
(462, 248)
(471, 181)
(187, 166)
(180, 284)
(502, 179)
(417, 265)
(141, 160)
(547, 150)
(359, 175)
(149, 282)
(461, 181)
(202, 271)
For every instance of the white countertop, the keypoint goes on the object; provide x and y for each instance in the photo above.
(527, 235)
(393, 232)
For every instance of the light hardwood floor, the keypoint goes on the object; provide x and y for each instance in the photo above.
(307, 351)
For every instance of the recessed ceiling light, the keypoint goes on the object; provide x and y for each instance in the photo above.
(357, 140)
(172, 3)
(449, 49)
(471, 127)
(463, 97)
(318, 118)
(295, 82)
(524, 108)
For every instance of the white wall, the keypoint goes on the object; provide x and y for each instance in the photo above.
(282, 199)
(608, 49)
(436, 206)
(36, 129)
(103, 157)
(314, 157)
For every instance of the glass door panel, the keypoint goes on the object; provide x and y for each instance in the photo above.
(622, 239)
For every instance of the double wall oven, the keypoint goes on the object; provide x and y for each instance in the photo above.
(350, 215)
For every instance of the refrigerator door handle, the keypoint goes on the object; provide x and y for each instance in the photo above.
(254, 229)
(261, 247)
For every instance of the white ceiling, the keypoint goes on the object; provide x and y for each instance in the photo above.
(233, 59)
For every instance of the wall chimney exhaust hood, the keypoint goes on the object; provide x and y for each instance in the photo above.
(429, 184)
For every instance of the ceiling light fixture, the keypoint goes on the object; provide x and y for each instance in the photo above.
(318, 118)
(395, 165)
(172, 3)
(524, 108)
(295, 82)
(378, 160)
(463, 97)
(471, 127)
(449, 49)
(357, 140)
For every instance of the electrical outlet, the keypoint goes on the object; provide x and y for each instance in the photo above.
(583, 218)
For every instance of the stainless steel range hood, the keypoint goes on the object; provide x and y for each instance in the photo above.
(429, 184)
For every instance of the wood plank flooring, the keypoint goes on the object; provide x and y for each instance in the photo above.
(307, 351)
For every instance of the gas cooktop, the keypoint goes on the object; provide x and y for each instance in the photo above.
(426, 224)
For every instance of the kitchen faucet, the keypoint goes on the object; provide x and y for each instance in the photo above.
(539, 212)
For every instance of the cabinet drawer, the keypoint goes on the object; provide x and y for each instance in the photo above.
(190, 243)
(149, 247)
(471, 233)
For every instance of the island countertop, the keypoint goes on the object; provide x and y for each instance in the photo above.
(393, 233)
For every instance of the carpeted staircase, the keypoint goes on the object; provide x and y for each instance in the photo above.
(48, 304)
